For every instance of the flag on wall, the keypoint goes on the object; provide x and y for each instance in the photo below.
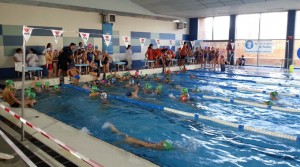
(27, 32)
(142, 42)
(157, 42)
(85, 37)
(170, 44)
(107, 39)
(181, 44)
(232, 46)
(126, 40)
(57, 34)
(201, 45)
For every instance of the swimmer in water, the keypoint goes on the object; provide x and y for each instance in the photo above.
(184, 95)
(146, 77)
(155, 77)
(167, 79)
(137, 74)
(9, 96)
(163, 145)
(47, 86)
(184, 69)
(148, 88)
(103, 97)
(74, 73)
(37, 84)
(94, 91)
(130, 84)
(171, 96)
(158, 89)
(274, 97)
(134, 93)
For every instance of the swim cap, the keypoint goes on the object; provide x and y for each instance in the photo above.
(127, 74)
(154, 75)
(9, 82)
(183, 98)
(159, 87)
(269, 103)
(32, 95)
(94, 89)
(55, 87)
(169, 72)
(113, 80)
(109, 77)
(275, 94)
(103, 96)
(131, 82)
(167, 77)
(27, 92)
(148, 86)
(38, 84)
(138, 83)
(167, 146)
(184, 90)
(47, 83)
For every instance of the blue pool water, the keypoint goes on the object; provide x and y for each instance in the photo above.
(197, 143)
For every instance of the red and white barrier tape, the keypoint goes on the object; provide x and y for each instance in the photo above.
(45, 134)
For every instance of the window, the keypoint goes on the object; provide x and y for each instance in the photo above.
(247, 26)
(221, 28)
(205, 28)
(273, 25)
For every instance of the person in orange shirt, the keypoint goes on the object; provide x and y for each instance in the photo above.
(157, 55)
(183, 54)
(149, 54)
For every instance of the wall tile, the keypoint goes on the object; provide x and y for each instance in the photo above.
(44, 31)
(154, 35)
(97, 33)
(166, 36)
(15, 30)
(9, 40)
(0, 29)
(10, 50)
(137, 35)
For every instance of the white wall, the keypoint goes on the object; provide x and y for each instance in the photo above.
(71, 21)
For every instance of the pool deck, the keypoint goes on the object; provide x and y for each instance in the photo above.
(89, 146)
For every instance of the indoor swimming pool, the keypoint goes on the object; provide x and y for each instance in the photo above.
(195, 142)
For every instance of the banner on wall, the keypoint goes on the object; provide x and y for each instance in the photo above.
(181, 44)
(258, 46)
(57, 34)
(142, 42)
(126, 40)
(171, 44)
(107, 39)
(84, 37)
(201, 45)
(157, 42)
(27, 32)
(232, 46)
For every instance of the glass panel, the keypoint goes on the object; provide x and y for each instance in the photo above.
(247, 26)
(240, 49)
(273, 25)
(296, 48)
(276, 57)
(205, 28)
(221, 28)
(297, 30)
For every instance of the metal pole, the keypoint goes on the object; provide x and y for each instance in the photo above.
(23, 85)
(288, 55)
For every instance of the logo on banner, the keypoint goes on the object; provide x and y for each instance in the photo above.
(259, 46)
(107, 39)
(142, 42)
(85, 37)
(27, 33)
(181, 44)
(170, 44)
(158, 43)
(57, 34)
(126, 40)
(249, 44)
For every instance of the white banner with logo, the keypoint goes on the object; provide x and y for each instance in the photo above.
(107, 39)
(142, 42)
(126, 40)
(27, 32)
(57, 34)
(85, 37)
(264, 46)
(157, 42)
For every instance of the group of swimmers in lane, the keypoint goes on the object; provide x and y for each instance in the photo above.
(274, 97)
(9, 93)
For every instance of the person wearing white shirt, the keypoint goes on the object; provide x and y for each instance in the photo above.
(18, 55)
(32, 58)
(128, 57)
(49, 45)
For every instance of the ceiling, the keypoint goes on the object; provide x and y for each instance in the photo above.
(205, 8)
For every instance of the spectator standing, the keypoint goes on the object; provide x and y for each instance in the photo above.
(128, 57)
(49, 62)
(64, 58)
(32, 58)
(18, 55)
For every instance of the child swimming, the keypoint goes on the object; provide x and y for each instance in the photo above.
(74, 73)
(134, 93)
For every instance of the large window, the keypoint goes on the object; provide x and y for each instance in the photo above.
(297, 40)
(247, 26)
(214, 28)
(261, 38)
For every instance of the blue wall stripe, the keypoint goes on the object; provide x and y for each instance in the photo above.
(1, 29)
(152, 41)
(122, 49)
(8, 73)
(136, 49)
(38, 49)
(135, 35)
(95, 33)
(116, 41)
(9, 40)
(137, 64)
(43, 32)
(166, 36)
(185, 37)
